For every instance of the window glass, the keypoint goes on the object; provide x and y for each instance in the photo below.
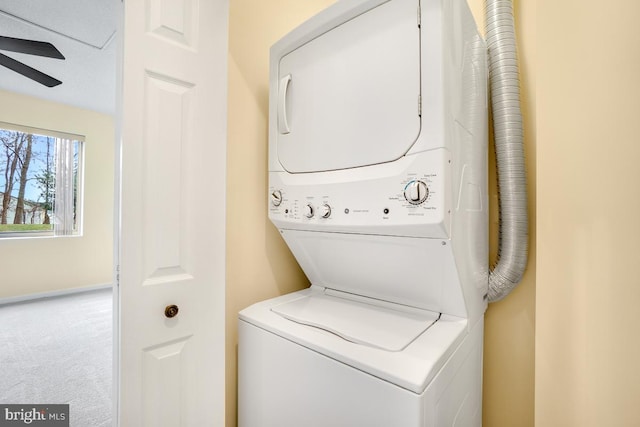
(40, 183)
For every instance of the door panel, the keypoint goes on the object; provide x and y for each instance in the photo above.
(172, 239)
(350, 97)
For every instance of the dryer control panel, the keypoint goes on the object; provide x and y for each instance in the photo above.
(403, 198)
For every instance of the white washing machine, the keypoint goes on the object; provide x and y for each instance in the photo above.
(377, 183)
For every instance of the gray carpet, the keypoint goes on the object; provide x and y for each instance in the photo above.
(59, 350)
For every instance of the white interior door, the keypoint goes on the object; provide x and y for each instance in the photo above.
(172, 207)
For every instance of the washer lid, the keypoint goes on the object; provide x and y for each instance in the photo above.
(378, 326)
(350, 97)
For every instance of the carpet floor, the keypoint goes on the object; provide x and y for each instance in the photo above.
(59, 350)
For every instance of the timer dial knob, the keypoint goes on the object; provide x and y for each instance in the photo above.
(416, 192)
(309, 211)
(276, 198)
(325, 211)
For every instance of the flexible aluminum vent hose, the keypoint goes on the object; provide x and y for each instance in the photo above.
(507, 126)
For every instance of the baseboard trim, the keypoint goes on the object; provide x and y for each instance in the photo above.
(52, 294)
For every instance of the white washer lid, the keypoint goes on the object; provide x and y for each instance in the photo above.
(378, 326)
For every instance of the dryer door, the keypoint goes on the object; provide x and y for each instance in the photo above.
(350, 97)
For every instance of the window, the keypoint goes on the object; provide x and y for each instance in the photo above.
(40, 182)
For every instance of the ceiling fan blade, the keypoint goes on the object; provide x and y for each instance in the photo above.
(27, 71)
(31, 47)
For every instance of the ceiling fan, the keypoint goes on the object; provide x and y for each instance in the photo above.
(30, 47)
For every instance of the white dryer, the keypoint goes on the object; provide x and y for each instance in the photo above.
(377, 182)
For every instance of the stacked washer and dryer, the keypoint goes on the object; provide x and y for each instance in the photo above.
(378, 185)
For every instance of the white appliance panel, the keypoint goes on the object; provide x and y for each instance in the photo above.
(382, 326)
(371, 200)
(414, 272)
(350, 97)
(291, 386)
(412, 368)
(295, 375)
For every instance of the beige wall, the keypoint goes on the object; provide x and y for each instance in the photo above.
(37, 265)
(588, 281)
(260, 266)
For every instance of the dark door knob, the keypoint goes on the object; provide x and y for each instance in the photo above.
(171, 311)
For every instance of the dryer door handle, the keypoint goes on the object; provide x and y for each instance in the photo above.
(283, 123)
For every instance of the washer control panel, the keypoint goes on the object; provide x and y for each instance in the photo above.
(409, 200)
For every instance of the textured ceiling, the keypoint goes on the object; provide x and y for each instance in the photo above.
(83, 31)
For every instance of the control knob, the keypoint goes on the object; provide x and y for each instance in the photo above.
(325, 211)
(416, 192)
(309, 211)
(276, 198)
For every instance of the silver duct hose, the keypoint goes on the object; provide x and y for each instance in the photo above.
(507, 127)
